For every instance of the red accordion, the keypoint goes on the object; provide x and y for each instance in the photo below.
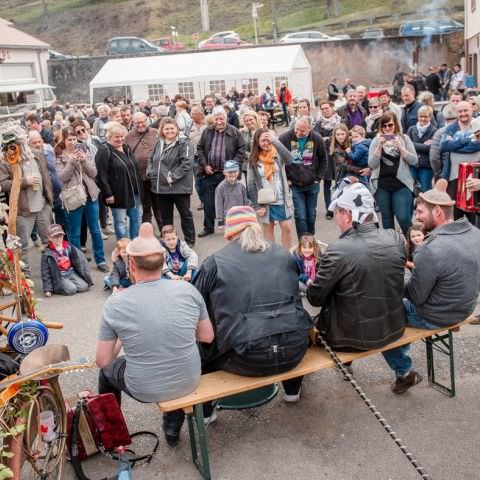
(466, 200)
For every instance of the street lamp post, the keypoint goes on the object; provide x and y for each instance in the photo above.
(274, 20)
(255, 7)
(174, 33)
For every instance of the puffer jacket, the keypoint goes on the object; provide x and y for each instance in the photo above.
(175, 159)
(51, 276)
(359, 286)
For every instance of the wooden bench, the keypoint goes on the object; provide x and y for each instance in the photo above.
(217, 385)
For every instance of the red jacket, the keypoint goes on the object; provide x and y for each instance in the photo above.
(287, 97)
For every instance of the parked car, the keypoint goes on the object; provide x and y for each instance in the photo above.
(300, 37)
(343, 36)
(434, 26)
(225, 42)
(373, 33)
(167, 43)
(226, 34)
(125, 45)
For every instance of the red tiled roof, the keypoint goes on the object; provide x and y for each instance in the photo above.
(12, 37)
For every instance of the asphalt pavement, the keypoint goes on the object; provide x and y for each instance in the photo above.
(328, 434)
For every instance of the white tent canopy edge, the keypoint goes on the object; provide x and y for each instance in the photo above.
(263, 64)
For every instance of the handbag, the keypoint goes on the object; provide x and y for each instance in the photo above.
(266, 196)
(95, 423)
(74, 197)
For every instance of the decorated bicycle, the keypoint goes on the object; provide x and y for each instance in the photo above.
(23, 329)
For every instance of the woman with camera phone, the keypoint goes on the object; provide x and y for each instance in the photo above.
(390, 156)
(77, 170)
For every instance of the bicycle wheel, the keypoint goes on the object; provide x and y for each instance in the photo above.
(44, 460)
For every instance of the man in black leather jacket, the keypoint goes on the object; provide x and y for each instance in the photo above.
(359, 283)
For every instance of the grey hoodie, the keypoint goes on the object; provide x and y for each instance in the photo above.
(445, 282)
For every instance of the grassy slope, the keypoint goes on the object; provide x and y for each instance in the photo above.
(84, 26)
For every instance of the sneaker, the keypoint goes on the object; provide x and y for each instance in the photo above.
(402, 384)
(103, 267)
(292, 398)
(329, 215)
(108, 230)
(104, 236)
(212, 418)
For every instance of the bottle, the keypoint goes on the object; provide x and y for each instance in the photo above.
(124, 468)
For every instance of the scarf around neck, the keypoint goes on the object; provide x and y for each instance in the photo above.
(422, 130)
(329, 123)
(267, 158)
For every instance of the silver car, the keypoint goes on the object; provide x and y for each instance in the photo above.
(300, 37)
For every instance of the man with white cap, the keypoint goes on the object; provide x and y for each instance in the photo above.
(445, 281)
(359, 282)
(157, 323)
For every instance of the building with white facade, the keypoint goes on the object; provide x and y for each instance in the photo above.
(472, 38)
(23, 72)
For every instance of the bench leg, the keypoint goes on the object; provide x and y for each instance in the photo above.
(200, 454)
(444, 345)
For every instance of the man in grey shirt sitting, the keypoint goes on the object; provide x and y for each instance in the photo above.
(157, 322)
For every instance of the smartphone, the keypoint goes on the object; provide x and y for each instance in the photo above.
(388, 136)
(82, 147)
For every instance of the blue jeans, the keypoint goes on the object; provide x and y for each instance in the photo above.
(124, 282)
(305, 207)
(423, 176)
(395, 203)
(398, 359)
(121, 216)
(75, 226)
(286, 117)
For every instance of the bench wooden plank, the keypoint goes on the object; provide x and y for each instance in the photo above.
(216, 385)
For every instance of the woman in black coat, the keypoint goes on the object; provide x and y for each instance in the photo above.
(170, 171)
(421, 135)
(119, 180)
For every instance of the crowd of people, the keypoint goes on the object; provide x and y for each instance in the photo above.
(87, 168)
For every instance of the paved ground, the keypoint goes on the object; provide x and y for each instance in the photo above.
(329, 434)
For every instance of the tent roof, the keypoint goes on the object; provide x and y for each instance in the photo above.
(232, 63)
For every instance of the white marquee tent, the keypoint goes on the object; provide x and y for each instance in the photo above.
(195, 75)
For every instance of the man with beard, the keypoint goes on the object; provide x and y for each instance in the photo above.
(445, 281)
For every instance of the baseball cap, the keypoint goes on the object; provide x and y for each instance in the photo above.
(54, 230)
(145, 244)
(231, 166)
(237, 219)
(355, 197)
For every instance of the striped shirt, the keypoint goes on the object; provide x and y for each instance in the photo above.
(216, 156)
